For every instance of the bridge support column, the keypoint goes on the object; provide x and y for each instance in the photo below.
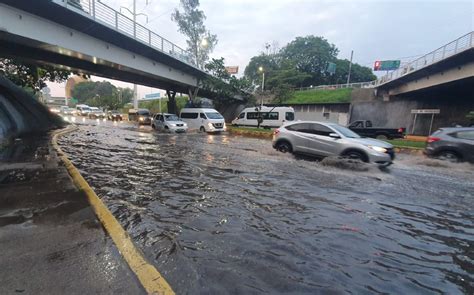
(172, 108)
(193, 93)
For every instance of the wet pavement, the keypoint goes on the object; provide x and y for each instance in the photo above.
(50, 239)
(227, 214)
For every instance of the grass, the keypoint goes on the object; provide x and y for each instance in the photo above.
(253, 129)
(321, 96)
(407, 143)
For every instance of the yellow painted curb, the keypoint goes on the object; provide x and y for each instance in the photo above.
(147, 274)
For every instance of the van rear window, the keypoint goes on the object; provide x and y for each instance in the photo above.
(189, 115)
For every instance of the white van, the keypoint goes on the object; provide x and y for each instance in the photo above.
(204, 120)
(272, 116)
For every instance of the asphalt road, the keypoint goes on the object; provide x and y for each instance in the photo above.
(227, 214)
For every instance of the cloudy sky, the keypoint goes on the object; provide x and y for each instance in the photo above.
(374, 29)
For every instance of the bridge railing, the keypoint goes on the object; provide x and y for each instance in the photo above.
(104, 14)
(461, 44)
(338, 86)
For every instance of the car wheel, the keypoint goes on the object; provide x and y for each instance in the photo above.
(381, 137)
(284, 147)
(202, 129)
(449, 156)
(355, 155)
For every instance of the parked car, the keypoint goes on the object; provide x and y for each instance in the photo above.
(270, 116)
(114, 116)
(142, 116)
(169, 123)
(452, 144)
(330, 139)
(96, 113)
(204, 120)
(83, 109)
(365, 129)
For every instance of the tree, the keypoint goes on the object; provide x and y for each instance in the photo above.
(224, 86)
(102, 94)
(29, 75)
(358, 73)
(311, 55)
(269, 64)
(191, 23)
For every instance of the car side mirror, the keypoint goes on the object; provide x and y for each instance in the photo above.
(334, 135)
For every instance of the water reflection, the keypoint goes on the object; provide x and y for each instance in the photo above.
(210, 213)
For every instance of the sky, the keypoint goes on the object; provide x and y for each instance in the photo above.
(373, 29)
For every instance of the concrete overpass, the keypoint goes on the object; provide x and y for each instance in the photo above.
(452, 63)
(95, 39)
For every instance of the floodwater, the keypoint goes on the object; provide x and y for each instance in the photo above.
(223, 214)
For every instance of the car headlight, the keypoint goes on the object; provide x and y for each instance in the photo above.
(173, 125)
(140, 119)
(210, 125)
(378, 149)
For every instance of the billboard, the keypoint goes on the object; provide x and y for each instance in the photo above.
(232, 70)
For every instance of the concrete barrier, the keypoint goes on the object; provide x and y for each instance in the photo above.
(20, 113)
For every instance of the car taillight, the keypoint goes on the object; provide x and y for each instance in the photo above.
(401, 130)
(276, 131)
(432, 139)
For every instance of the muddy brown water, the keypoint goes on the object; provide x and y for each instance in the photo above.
(227, 214)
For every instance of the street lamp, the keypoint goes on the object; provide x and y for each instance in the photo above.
(260, 69)
(135, 14)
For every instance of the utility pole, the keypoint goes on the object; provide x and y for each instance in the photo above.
(350, 67)
(135, 14)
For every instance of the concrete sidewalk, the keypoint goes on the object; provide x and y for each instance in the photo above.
(50, 239)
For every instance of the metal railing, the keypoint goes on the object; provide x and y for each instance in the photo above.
(461, 44)
(339, 86)
(101, 13)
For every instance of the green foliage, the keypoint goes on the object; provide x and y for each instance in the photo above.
(154, 105)
(224, 86)
(358, 73)
(101, 94)
(311, 55)
(407, 143)
(470, 115)
(303, 62)
(269, 63)
(29, 75)
(191, 23)
(320, 96)
(282, 92)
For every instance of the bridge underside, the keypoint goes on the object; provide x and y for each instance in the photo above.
(88, 47)
(459, 68)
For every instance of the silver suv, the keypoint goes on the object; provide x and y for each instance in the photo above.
(330, 139)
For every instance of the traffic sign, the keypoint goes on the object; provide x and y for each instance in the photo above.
(331, 69)
(386, 65)
(152, 96)
(426, 111)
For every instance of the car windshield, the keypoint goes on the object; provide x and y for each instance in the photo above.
(345, 131)
(171, 118)
(214, 116)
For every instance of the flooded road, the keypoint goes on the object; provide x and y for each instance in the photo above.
(224, 214)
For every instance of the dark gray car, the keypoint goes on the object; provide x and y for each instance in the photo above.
(453, 144)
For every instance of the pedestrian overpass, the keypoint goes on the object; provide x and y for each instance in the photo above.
(91, 37)
(452, 63)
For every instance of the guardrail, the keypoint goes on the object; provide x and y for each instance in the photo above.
(461, 44)
(100, 12)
